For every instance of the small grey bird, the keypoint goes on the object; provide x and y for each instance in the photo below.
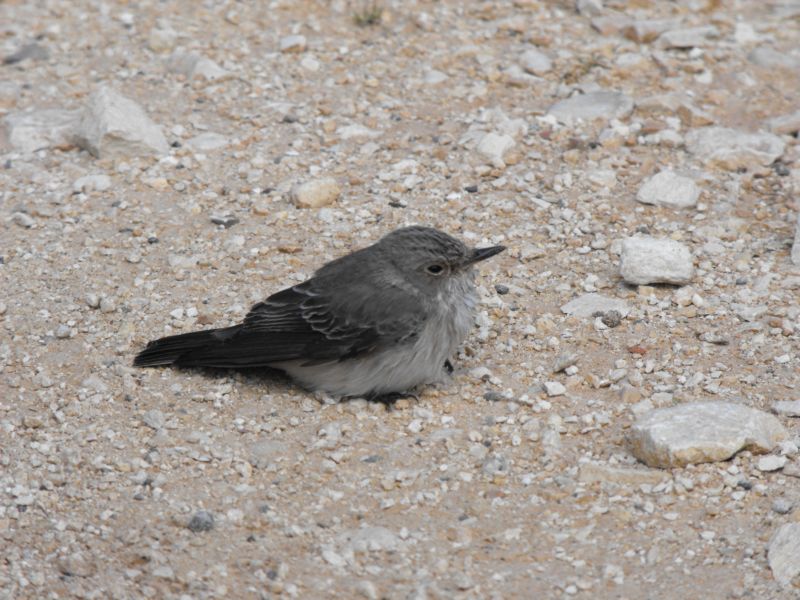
(375, 323)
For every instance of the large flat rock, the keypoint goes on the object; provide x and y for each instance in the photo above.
(702, 432)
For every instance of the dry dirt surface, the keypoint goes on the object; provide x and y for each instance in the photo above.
(148, 156)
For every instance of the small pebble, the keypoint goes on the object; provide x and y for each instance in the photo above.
(201, 521)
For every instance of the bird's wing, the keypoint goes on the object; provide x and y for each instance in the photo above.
(303, 322)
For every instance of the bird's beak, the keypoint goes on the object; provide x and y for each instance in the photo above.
(479, 254)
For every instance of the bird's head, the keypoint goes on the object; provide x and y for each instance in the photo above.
(431, 257)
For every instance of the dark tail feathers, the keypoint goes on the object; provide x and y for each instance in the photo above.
(197, 348)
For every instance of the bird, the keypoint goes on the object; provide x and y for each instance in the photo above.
(376, 323)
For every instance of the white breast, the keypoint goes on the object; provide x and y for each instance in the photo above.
(403, 368)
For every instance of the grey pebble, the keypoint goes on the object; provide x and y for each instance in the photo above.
(782, 506)
(225, 220)
(154, 419)
(33, 51)
(611, 318)
(201, 521)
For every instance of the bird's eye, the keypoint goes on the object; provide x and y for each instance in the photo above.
(435, 269)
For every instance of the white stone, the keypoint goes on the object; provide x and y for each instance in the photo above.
(535, 62)
(23, 219)
(771, 59)
(784, 553)
(647, 260)
(315, 193)
(788, 408)
(733, 149)
(92, 183)
(293, 43)
(37, 130)
(434, 77)
(589, 8)
(771, 462)
(702, 432)
(196, 66)
(162, 39)
(493, 147)
(796, 243)
(371, 539)
(687, 38)
(554, 388)
(154, 419)
(588, 305)
(670, 189)
(207, 141)
(744, 33)
(114, 126)
(594, 105)
(787, 124)
(356, 131)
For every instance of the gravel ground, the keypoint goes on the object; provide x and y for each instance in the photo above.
(510, 481)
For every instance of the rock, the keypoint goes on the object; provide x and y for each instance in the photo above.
(196, 66)
(554, 388)
(92, 183)
(610, 24)
(772, 59)
(535, 62)
(589, 8)
(733, 149)
(207, 141)
(748, 313)
(594, 105)
(647, 260)
(77, 565)
(787, 408)
(645, 31)
(266, 452)
(782, 506)
(593, 472)
(702, 432)
(162, 39)
(788, 124)
(796, 244)
(771, 463)
(23, 219)
(611, 318)
(114, 126)
(371, 539)
(227, 221)
(154, 419)
(37, 130)
(356, 131)
(201, 521)
(687, 38)
(316, 193)
(589, 305)
(783, 553)
(107, 305)
(669, 189)
(493, 147)
(293, 43)
(434, 77)
(32, 51)
(564, 361)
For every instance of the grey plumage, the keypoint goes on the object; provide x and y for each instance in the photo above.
(381, 320)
